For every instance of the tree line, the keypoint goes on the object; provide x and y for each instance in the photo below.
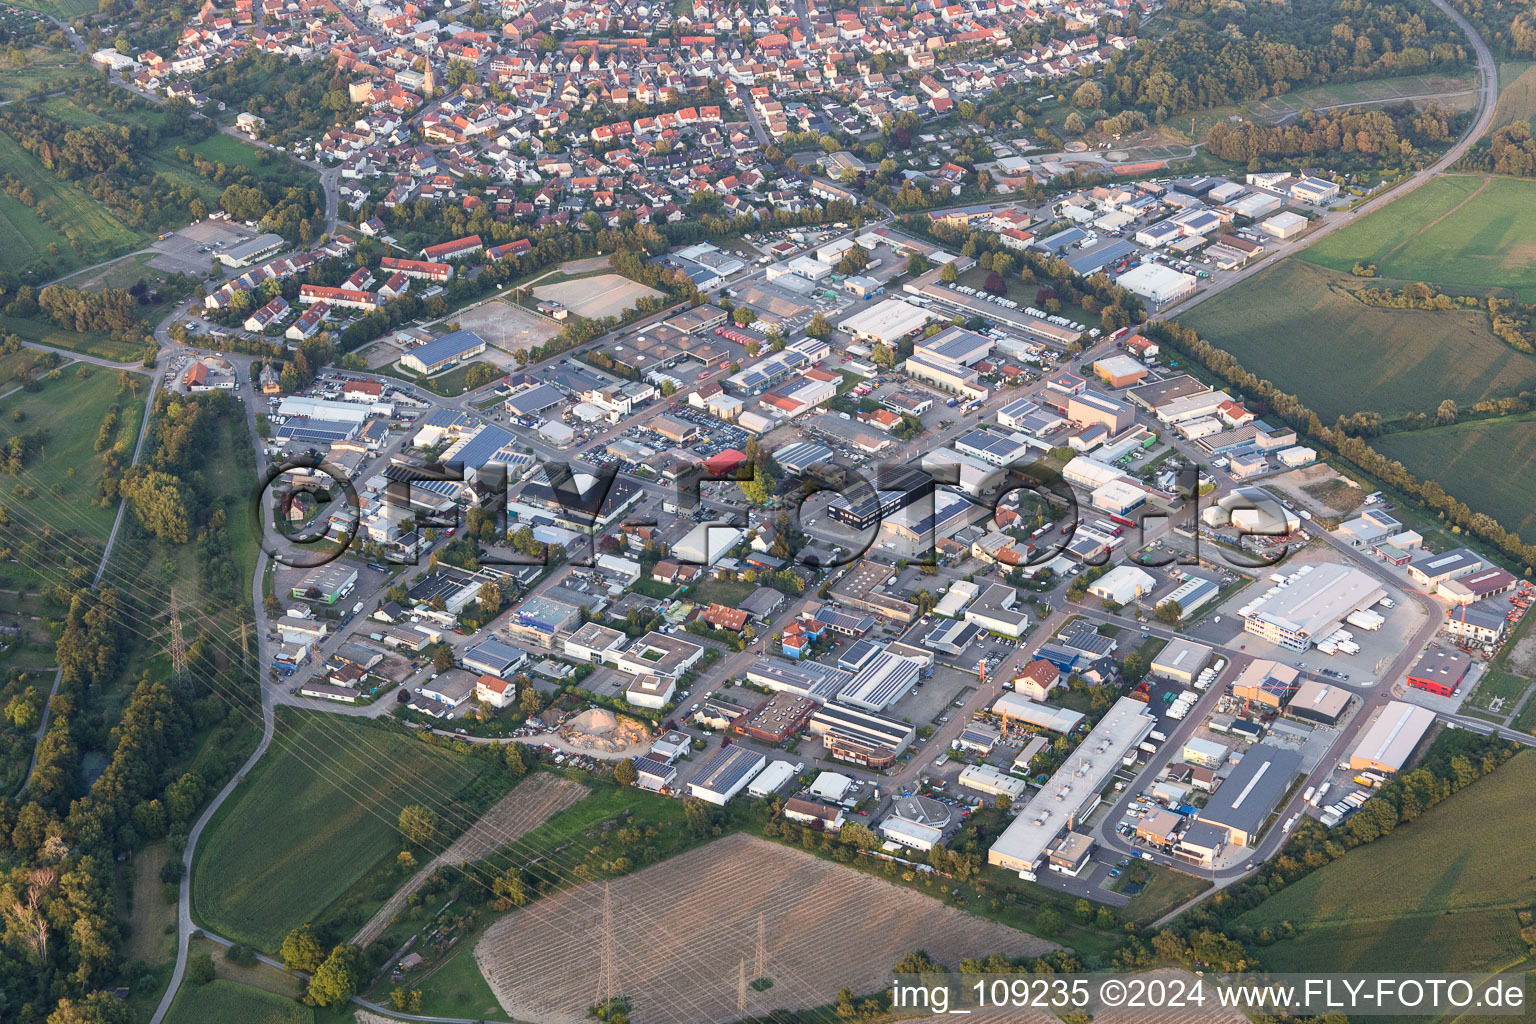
(1356, 450)
(1356, 137)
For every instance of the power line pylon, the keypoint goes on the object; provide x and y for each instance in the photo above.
(761, 966)
(741, 987)
(178, 643)
(605, 982)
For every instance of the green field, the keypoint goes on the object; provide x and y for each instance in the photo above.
(458, 989)
(1294, 324)
(72, 214)
(69, 412)
(1486, 464)
(727, 592)
(230, 1002)
(1517, 93)
(1497, 685)
(315, 815)
(40, 68)
(1438, 894)
(1460, 230)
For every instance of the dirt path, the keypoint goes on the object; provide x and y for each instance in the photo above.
(1430, 226)
(530, 804)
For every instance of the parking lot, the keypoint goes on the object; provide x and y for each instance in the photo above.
(192, 249)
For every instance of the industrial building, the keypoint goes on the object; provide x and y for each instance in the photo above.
(1073, 792)
(771, 779)
(1266, 683)
(1091, 408)
(887, 322)
(1430, 570)
(327, 583)
(880, 682)
(1319, 702)
(861, 737)
(1390, 741)
(1251, 793)
(1311, 605)
(917, 822)
(1160, 286)
(726, 774)
(1122, 584)
(1120, 371)
(1477, 585)
(1019, 713)
(776, 719)
(1181, 661)
(986, 779)
(1205, 753)
(994, 611)
(1440, 671)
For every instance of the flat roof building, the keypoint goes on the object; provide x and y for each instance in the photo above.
(1390, 741)
(1181, 661)
(726, 774)
(1311, 605)
(1440, 671)
(1248, 797)
(1266, 683)
(1073, 792)
(1319, 702)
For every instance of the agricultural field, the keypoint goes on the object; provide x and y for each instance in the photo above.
(41, 331)
(1487, 464)
(1517, 93)
(1443, 891)
(234, 1003)
(1465, 231)
(1294, 324)
(697, 916)
(528, 805)
(337, 786)
(72, 215)
(66, 415)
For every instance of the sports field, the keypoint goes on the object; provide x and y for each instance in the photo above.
(1461, 230)
(598, 296)
(1489, 465)
(234, 1003)
(1438, 894)
(315, 815)
(682, 927)
(1295, 325)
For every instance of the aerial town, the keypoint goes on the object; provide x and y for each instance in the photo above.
(547, 512)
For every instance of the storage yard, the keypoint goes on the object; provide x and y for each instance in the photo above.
(681, 929)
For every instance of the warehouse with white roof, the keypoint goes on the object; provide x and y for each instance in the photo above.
(1073, 792)
(1310, 605)
(1390, 741)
